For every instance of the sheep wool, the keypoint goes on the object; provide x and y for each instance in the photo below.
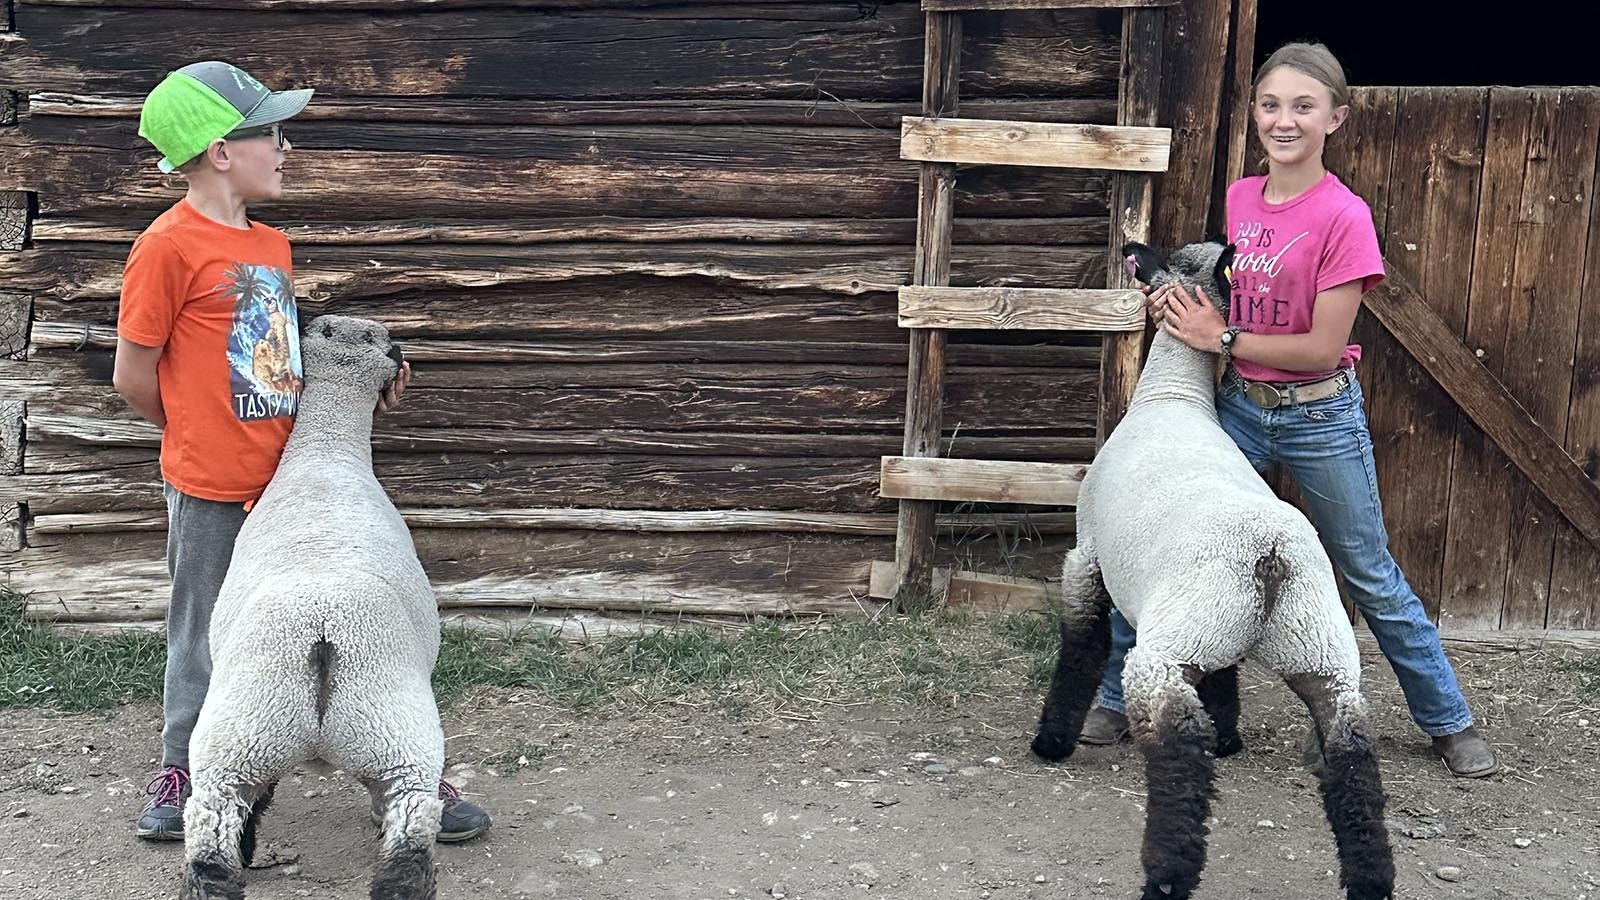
(323, 638)
(1177, 529)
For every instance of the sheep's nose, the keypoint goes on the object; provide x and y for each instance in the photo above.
(396, 355)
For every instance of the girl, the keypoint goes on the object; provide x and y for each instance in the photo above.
(1307, 251)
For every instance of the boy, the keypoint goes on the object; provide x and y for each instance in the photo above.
(208, 349)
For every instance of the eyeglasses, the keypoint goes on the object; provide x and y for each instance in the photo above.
(274, 131)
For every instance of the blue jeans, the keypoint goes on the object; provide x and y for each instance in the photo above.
(1326, 447)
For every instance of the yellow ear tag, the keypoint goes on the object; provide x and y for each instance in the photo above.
(1227, 274)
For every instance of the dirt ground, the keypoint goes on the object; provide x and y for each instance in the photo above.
(839, 801)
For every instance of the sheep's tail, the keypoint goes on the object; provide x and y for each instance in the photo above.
(1272, 570)
(324, 657)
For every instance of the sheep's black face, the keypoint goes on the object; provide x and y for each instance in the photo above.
(1207, 265)
(353, 351)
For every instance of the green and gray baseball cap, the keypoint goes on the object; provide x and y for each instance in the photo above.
(204, 101)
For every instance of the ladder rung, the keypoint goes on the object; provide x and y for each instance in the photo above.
(980, 480)
(1120, 147)
(965, 5)
(1032, 309)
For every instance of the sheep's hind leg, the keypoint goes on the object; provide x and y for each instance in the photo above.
(411, 809)
(1352, 789)
(1219, 691)
(247, 842)
(214, 829)
(1085, 645)
(1172, 729)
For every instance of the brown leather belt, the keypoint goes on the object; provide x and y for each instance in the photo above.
(1270, 395)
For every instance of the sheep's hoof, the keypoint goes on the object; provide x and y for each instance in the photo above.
(1228, 745)
(1153, 891)
(1052, 748)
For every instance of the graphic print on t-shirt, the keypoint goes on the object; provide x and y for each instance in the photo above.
(1259, 259)
(264, 370)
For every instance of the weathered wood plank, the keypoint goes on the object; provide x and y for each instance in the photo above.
(1039, 309)
(735, 51)
(1477, 540)
(978, 591)
(16, 321)
(1138, 103)
(1575, 573)
(1433, 202)
(333, 273)
(1049, 232)
(1553, 220)
(1401, 310)
(925, 367)
(982, 480)
(1044, 144)
(1195, 44)
(814, 112)
(634, 520)
(1238, 135)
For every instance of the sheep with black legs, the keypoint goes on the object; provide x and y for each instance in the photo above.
(323, 638)
(1179, 531)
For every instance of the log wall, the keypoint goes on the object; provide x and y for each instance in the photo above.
(644, 256)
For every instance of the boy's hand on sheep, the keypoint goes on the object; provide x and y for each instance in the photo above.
(390, 398)
(1196, 322)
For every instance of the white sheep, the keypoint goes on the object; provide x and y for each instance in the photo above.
(323, 639)
(1179, 531)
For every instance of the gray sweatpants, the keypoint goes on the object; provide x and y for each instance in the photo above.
(200, 535)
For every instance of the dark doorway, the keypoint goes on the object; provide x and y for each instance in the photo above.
(1400, 42)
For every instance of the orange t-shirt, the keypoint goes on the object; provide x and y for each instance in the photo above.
(219, 300)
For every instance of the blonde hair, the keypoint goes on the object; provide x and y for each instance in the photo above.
(1315, 60)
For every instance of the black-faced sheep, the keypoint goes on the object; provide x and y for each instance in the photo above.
(323, 639)
(1176, 528)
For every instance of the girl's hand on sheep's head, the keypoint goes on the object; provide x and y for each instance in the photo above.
(1193, 320)
(390, 398)
(1155, 301)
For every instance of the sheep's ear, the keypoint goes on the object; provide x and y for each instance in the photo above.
(1223, 271)
(1143, 262)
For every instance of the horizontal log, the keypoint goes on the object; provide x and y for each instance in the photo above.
(86, 575)
(71, 437)
(332, 273)
(1052, 309)
(676, 521)
(981, 480)
(86, 337)
(722, 398)
(986, 142)
(816, 112)
(1052, 232)
(732, 51)
(570, 626)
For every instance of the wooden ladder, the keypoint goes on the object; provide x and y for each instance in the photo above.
(1134, 149)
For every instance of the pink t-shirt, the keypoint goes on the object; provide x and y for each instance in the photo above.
(1290, 252)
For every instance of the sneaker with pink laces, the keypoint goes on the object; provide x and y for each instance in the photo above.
(162, 817)
(462, 820)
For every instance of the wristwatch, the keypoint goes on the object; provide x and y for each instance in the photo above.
(1228, 337)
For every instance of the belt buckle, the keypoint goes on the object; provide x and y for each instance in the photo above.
(1263, 395)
